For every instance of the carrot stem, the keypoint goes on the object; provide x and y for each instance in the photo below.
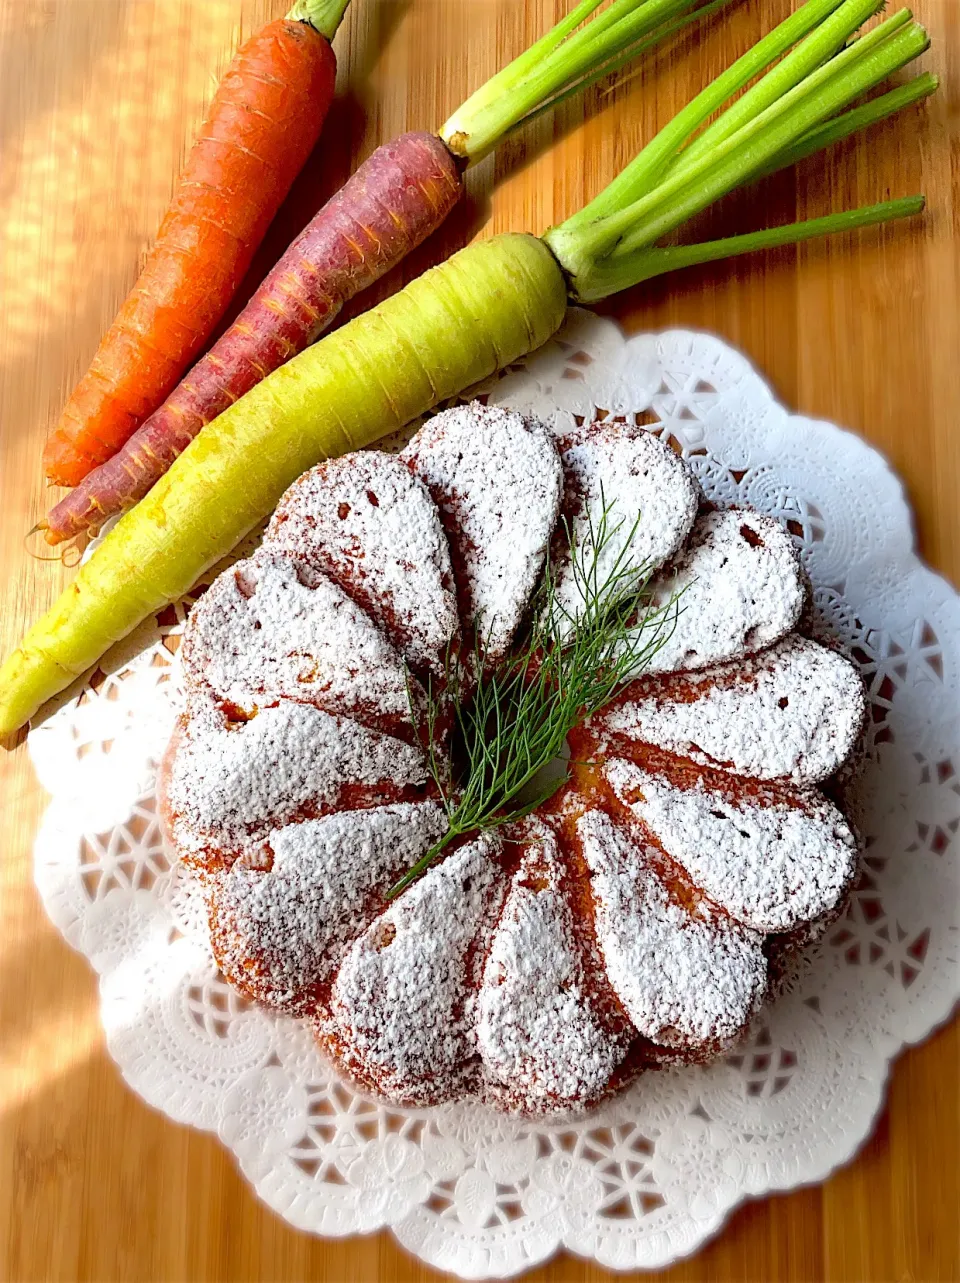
(618, 62)
(619, 272)
(818, 48)
(691, 186)
(851, 122)
(562, 58)
(827, 91)
(324, 16)
(791, 111)
(643, 171)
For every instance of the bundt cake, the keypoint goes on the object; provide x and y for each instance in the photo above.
(641, 914)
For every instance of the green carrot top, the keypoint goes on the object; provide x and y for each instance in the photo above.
(324, 15)
(804, 103)
(577, 52)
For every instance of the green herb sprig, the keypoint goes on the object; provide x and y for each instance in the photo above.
(570, 665)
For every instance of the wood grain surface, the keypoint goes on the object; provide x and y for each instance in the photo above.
(98, 100)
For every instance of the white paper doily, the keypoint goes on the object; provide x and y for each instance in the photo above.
(650, 1176)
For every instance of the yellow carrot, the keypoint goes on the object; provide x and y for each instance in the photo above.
(454, 325)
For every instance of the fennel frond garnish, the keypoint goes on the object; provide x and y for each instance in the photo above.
(568, 665)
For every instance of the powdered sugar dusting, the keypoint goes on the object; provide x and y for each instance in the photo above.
(768, 861)
(634, 474)
(272, 628)
(497, 481)
(683, 976)
(230, 782)
(741, 587)
(404, 1002)
(293, 786)
(793, 712)
(280, 933)
(371, 525)
(541, 1038)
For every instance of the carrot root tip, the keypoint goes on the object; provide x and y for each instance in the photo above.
(51, 540)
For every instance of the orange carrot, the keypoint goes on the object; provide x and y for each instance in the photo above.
(262, 125)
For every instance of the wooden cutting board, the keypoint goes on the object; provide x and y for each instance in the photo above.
(98, 100)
